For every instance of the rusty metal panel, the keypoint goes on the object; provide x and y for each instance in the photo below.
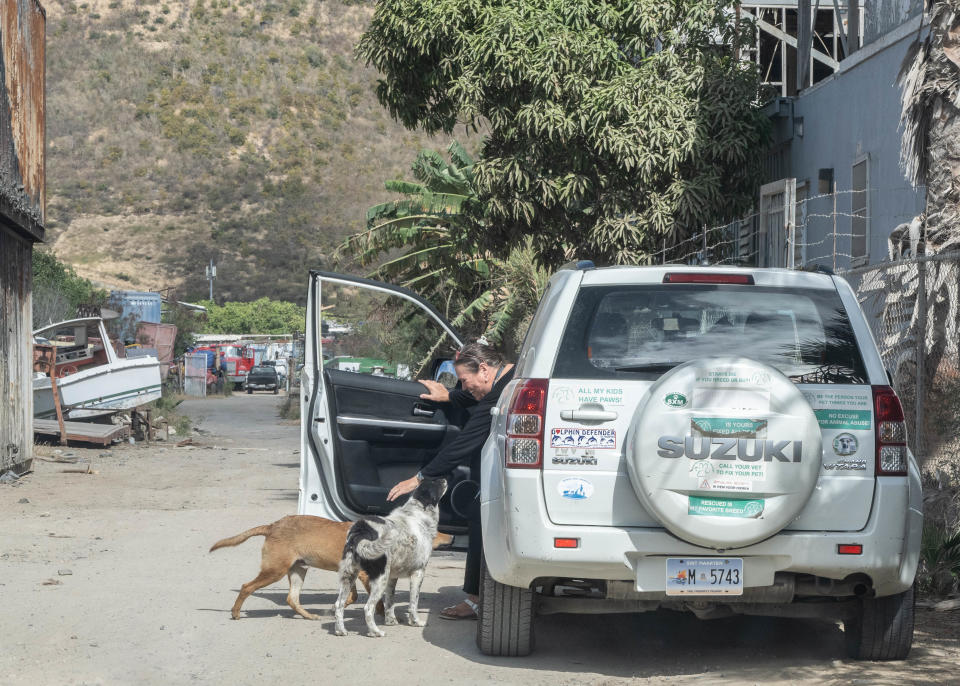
(22, 116)
(16, 352)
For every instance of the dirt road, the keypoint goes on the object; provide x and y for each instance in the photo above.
(105, 579)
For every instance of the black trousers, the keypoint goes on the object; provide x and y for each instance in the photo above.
(471, 573)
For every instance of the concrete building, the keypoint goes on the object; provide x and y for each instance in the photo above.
(22, 200)
(836, 130)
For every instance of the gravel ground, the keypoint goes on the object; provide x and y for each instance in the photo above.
(105, 579)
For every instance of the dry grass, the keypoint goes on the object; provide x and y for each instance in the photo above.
(239, 131)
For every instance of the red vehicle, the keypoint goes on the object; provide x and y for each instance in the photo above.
(239, 359)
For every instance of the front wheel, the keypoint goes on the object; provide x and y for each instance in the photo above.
(881, 628)
(275, 390)
(249, 391)
(505, 626)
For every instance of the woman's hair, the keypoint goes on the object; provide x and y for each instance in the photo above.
(472, 355)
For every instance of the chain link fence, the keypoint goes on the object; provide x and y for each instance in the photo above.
(913, 306)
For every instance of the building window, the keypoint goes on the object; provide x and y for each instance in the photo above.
(860, 216)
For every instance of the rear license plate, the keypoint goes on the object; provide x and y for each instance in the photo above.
(704, 576)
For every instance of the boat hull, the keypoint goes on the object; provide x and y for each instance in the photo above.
(122, 385)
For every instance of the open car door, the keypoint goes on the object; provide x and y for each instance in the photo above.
(364, 426)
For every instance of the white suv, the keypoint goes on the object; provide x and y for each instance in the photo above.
(718, 440)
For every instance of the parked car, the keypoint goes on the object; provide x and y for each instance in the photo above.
(716, 440)
(262, 378)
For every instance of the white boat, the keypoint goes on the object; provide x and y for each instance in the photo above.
(91, 379)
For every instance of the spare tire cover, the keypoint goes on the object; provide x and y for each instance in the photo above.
(724, 451)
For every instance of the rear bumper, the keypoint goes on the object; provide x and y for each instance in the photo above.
(518, 539)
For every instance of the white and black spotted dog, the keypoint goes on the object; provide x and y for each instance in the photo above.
(387, 549)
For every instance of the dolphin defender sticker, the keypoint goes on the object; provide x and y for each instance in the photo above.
(725, 507)
(575, 488)
(598, 439)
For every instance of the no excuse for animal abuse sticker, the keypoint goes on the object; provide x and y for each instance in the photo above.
(599, 439)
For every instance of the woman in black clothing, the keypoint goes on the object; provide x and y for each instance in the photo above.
(483, 374)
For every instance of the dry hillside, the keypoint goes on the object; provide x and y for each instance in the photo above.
(235, 130)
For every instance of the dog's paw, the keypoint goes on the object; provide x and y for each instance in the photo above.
(340, 631)
(376, 633)
(390, 621)
(414, 620)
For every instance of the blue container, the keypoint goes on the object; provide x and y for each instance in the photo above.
(142, 305)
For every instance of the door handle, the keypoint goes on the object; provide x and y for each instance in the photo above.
(588, 415)
(421, 411)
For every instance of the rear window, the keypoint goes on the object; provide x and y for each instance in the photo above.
(262, 370)
(644, 331)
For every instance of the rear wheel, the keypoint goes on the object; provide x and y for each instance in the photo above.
(505, 626)
(275, 390)
(881, 628)
(249, 391)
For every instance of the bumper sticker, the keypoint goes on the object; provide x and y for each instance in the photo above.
(597, 439)
(726, 476)
(844, 419)
(845, 444)
(728, 426)
(725, 507)
(575, 488)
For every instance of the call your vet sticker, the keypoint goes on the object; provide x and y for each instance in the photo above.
(598, 439)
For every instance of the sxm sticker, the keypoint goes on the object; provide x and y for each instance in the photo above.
(675, 400)
(575, 488)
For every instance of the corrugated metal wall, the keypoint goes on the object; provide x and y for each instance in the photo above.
(16, 353)
(22, 203)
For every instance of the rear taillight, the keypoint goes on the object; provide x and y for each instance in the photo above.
(525, 424)
(891, 432)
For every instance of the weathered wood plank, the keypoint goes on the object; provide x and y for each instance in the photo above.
(16, 353)
(104, 434)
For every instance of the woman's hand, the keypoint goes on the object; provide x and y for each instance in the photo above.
(438, 393)
(403, 488)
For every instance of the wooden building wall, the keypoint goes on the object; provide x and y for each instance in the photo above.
(22, 205)
(16, 352)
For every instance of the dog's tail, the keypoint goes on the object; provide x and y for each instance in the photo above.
(240, 538)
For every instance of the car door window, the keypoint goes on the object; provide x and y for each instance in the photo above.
(381, 333)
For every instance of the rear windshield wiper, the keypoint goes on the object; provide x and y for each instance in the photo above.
(660, 367)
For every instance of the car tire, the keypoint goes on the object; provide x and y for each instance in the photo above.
(275, 390)
(505, 626)
(249, 391)
(881, 628)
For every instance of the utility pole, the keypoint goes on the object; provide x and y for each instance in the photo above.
(211, 275)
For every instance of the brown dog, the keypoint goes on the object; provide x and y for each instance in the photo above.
(292, 544)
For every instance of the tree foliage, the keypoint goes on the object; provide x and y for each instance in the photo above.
(427, 240)
(57, 290)
(611, 125)
(930, 118)
(263, 316)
